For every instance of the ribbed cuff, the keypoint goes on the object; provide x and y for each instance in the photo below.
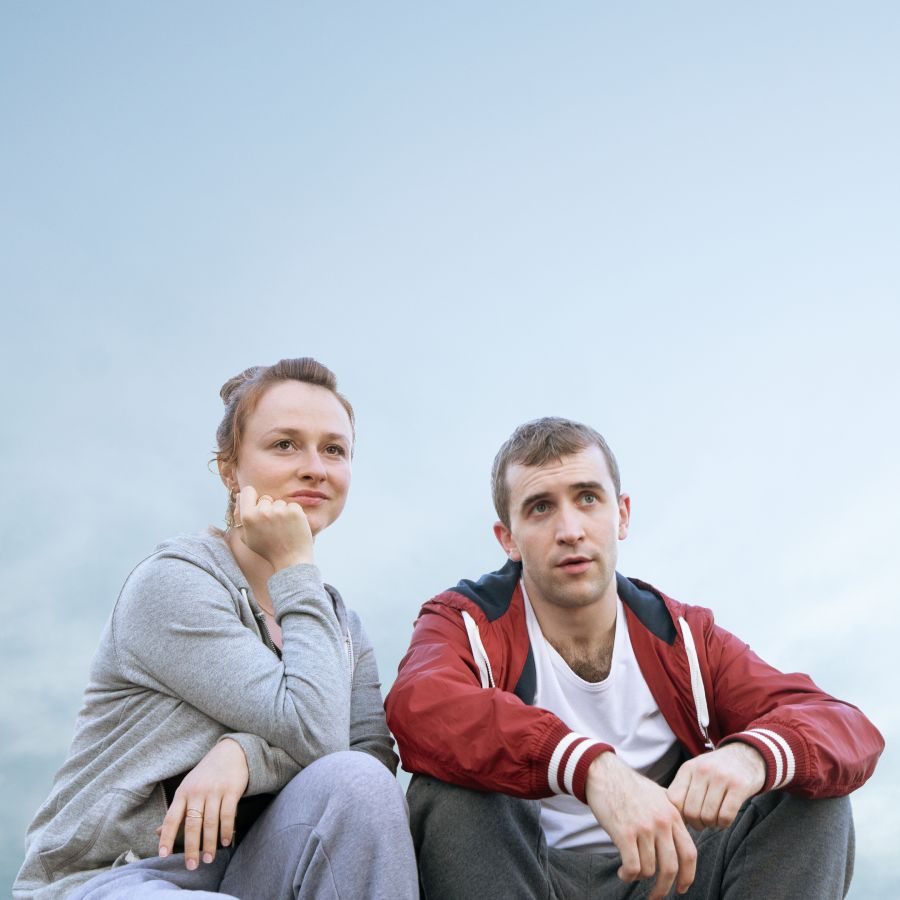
(570, 757)
(776, 750)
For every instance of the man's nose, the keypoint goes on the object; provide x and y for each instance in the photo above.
(568, 526)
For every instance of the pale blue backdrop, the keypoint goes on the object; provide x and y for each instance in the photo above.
(678, 222)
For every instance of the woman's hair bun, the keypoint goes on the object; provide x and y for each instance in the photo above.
(230, 386)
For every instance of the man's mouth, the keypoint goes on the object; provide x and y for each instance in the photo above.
(574, 565)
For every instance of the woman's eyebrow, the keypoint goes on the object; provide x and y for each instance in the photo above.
(299, 432)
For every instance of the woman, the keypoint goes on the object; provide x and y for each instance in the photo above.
(229, 672)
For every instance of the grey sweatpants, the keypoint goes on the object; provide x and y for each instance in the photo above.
(491, 846)
(339, 829)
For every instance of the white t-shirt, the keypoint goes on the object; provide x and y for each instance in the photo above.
(619, 710)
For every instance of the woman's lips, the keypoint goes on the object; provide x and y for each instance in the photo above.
(311, 499)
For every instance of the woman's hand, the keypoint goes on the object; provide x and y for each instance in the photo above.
(206, 800)
(276, 530)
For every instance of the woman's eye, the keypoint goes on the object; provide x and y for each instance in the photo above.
(284, 444)
(335, 450)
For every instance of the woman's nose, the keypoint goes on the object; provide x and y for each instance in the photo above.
(312, 466)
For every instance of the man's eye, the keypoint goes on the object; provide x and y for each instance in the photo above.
(541, 507)
(589, 498)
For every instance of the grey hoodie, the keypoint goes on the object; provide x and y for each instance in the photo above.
(181, 664)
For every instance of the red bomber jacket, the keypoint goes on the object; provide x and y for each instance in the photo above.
(461, 707)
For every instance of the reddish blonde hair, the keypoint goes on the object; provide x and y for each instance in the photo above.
(242, 393)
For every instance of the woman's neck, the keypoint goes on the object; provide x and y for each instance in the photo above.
(256, 569)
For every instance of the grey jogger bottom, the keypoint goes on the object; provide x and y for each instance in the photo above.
(339, 829)
(491, 846)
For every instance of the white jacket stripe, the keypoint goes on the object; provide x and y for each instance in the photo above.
(574, 759)
(775, 750)
(556, 759)
(788, 755)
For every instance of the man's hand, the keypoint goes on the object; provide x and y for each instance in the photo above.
(710, 789)
(644, 825)
(206, 800)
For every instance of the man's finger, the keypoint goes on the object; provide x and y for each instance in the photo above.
(687, 858)
(647, 850)
(678, 789)
(630, 870)
(666, 866)
(693, 802)
(731, 805)
(709, 814)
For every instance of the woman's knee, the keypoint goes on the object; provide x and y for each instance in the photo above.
(355, 781)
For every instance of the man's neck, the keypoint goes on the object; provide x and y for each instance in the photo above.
(584, 635)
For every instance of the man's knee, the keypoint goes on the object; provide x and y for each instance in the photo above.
(832, 816)
(448, 812)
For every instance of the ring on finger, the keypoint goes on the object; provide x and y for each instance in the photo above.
(193, 814)
(266, 497)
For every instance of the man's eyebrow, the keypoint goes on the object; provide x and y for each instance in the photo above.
(533, 498)
(595, 486)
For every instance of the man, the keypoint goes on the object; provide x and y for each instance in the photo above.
(576, 733)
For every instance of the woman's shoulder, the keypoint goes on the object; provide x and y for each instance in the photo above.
(178, 566)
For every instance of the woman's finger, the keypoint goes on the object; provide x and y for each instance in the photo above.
(210, 827)
(171, 824)
(193, 828)
(227, 816)
(245, 501)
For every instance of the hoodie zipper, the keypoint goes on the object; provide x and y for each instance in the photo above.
(267, 637)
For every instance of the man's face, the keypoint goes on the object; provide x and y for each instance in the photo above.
(565, 522)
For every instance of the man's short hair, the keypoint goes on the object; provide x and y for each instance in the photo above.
(537, 443)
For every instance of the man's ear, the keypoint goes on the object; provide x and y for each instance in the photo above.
(624, 515)
(505, 539)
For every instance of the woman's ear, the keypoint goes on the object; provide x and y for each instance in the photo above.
(226, 473)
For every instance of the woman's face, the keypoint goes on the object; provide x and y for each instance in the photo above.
(296, 447)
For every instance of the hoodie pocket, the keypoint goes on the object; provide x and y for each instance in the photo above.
(99, 835)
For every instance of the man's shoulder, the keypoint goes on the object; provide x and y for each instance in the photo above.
(658, 612)
(492, 595)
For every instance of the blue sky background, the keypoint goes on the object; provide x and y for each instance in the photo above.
(677, 223)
